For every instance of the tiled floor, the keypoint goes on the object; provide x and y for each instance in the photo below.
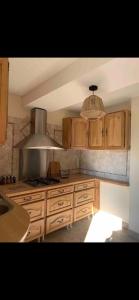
(78, 233)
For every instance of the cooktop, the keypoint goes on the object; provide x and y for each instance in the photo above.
(42, 181)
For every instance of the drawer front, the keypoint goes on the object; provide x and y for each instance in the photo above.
(85, 185)
(36, 210)
(60, 191)
(83, 211)
(29, 197)
(36, 229)
(59, 220)
(58, 204)
(84, 197)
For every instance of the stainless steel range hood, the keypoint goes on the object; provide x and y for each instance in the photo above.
(39, 138)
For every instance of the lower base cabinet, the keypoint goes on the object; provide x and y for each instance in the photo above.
(82, 211)
(36, 230)
(59, 220)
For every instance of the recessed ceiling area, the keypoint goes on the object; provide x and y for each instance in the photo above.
(26, 74)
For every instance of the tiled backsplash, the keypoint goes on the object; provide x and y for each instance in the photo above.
(109, 164)
(113, 164)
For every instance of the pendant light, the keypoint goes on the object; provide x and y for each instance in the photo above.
(93, 107)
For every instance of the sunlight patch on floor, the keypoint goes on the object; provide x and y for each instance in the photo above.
(101, 227)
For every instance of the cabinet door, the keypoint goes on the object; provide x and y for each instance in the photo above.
(3, 98)
(79, 133)
(115, 130)
(96, 134)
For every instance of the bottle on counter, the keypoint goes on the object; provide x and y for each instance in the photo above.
(14, 179)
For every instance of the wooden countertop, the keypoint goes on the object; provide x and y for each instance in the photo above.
(13, 224)
(11, 190)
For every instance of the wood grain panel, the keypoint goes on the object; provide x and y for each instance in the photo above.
(83, 197)
(83, 211)
(96, 134)
(59, 220)
(60, 191)
(3, 99)
(36, 230)
(36, 210)
(58, 204)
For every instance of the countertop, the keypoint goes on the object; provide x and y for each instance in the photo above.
(11, 190)
(14, 223)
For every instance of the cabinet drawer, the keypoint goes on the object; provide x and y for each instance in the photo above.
(58, 204)
(36, 210)
(60, 191)
(84, 196)
(29, 198)
(85, 185)
(59, 220)
(36, 229)
(83, 211)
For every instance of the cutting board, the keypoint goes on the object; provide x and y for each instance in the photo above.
(54, 169)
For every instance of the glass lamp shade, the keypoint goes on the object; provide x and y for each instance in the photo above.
(92, 108)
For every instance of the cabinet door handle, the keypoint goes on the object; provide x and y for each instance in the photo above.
(27, 198)
(102, 131)
(106, 131)
(60, 221)
(60, 203)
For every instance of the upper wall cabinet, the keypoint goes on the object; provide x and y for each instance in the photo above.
(96, 134)
(110, 132)
(75, 133)
(3, 99)
(115, 130)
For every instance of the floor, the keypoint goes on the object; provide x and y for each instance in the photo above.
(79, 231)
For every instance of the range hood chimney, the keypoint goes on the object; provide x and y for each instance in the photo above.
(39, 138)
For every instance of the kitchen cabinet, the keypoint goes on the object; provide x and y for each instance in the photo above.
(75, 133)
(3, 99)
(115, 130)
(96, 134)
(109, 132)
(52, 209)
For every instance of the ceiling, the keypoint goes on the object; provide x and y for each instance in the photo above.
(27, 73)
(63, 83)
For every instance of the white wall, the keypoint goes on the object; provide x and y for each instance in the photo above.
(134, 167)
(56, 117)
(16, 108)
(114, 199)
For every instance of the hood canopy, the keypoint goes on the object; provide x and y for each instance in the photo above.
(39, 138)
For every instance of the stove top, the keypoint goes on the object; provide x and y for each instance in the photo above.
(42, 181)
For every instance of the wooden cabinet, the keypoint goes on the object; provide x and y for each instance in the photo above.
(3, 99)
(36, 210)
(110, 132)
(84, 185)
(60, 191)
(84, 196)
(58, 207)
(58, 204)
(29, 198)
(59, 220)
(96, 134)
(115, 130)
(35, 231)
(82, 211)
(75, 133)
